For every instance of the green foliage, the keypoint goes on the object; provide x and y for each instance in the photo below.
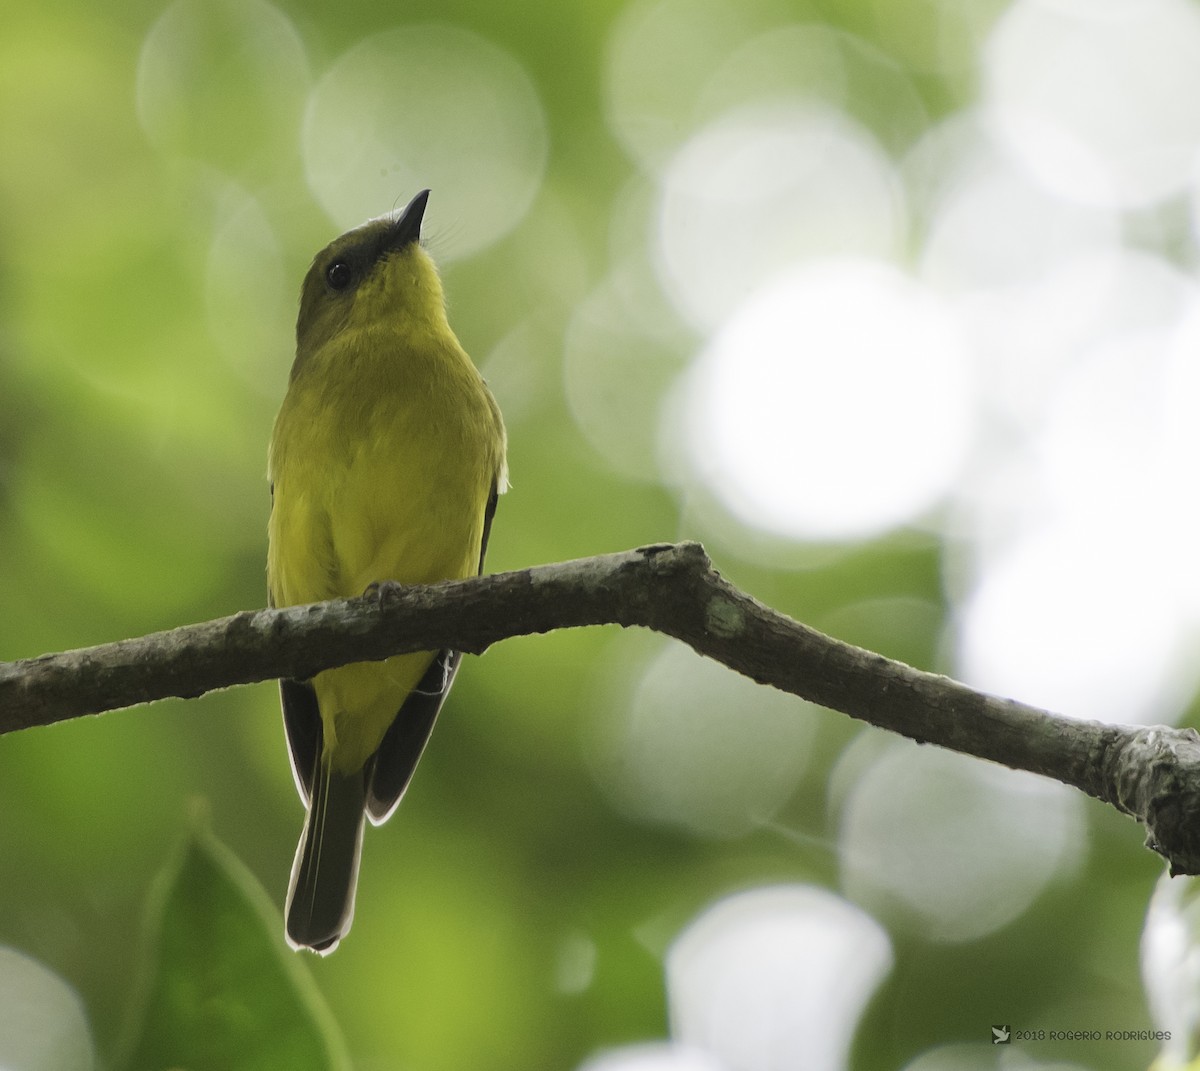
(221, 994)
(157, 213)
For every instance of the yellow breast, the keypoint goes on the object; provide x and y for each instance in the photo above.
(383, 457)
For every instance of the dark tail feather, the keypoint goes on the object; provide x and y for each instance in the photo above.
(320, 902)
(405, 740)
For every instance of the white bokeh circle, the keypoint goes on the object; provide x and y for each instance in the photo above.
(1099, 101)
(948, 847)
(427, 106)
(776, 978)
(836, 404)
(762, 188)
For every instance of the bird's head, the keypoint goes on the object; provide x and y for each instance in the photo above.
(375, 272)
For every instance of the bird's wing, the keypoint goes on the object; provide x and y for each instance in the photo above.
(405, 740)
(489, 512)
(302, 723)
(400, 750)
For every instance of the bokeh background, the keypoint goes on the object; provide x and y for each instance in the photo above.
(892, 303)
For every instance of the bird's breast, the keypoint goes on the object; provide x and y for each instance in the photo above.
(378, 484)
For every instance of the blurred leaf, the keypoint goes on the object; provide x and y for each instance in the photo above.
(223, 993)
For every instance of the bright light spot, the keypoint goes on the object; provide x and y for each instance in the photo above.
(1099, 101)
(1029, 336)
(674, 65)
(837, 404)
(991, 226)
(223, 81)
(1179, 452)
(951, 848)
(1101, 429)
(1064, 621)
(818, 64)
(660, 55)
(576, 963)
(653, 1056)
(1171, 966)
(427, 106)
(762, 188)
(776, 979)
(790, 62)
(704, 748)
(1082, 583)
(43, 1026)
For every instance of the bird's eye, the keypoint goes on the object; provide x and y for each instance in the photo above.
(339, 275)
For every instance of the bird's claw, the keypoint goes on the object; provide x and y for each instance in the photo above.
(382, 590)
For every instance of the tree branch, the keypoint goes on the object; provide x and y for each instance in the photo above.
(1152, 774)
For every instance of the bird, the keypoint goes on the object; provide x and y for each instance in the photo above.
(385, 465)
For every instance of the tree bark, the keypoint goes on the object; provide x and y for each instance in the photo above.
(1152, 774)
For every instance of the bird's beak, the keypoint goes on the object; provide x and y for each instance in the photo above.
(407, 229)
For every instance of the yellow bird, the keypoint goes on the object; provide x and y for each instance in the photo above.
(385, 464)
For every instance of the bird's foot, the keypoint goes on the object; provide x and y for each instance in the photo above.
(381, 591)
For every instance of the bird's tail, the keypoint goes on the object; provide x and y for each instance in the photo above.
(320, 901)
